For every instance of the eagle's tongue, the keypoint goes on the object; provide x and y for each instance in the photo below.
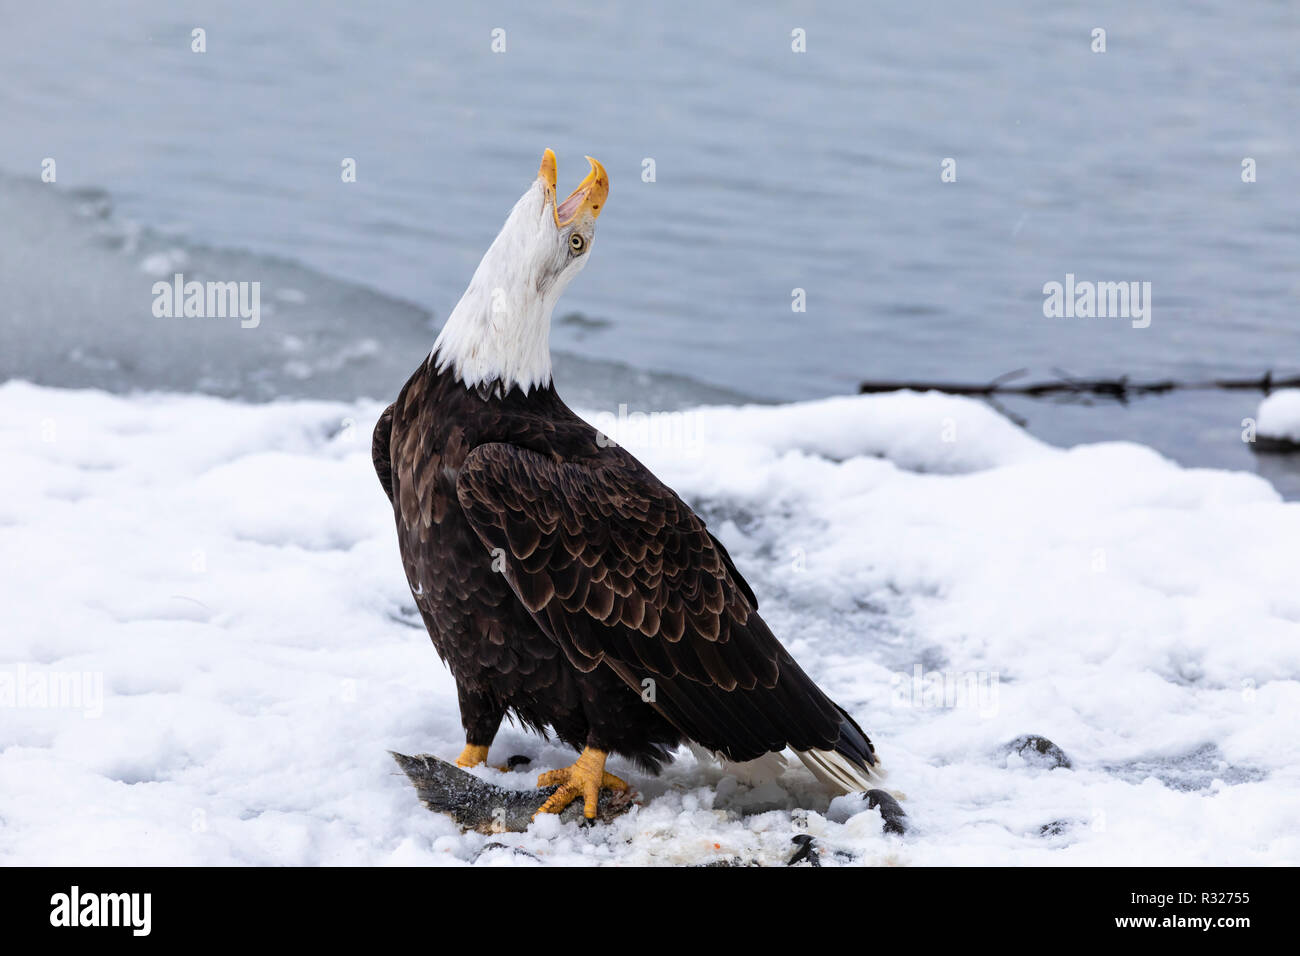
(590, 195)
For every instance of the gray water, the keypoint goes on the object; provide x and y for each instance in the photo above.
(775, 170)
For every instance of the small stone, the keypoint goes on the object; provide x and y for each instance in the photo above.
(1038, 752)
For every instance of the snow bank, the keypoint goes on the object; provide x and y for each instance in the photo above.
(208, 643)
(1279, 416)
(928, 432)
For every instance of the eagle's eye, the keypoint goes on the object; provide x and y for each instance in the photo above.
(577, 244)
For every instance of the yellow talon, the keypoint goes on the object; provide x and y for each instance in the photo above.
(472, 756)
(584, 778)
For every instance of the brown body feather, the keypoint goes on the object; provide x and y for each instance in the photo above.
(562, 582)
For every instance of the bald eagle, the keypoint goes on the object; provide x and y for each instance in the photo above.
(561, 582)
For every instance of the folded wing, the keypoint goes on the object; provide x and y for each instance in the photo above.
(620, 572)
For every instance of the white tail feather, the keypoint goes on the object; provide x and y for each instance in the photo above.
(837, 772)
(833, 770)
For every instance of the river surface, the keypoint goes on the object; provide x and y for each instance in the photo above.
(774, 171)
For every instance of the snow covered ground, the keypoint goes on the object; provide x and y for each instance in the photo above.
(206, 644)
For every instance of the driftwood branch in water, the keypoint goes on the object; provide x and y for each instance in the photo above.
(1120, 389)
(478, 805)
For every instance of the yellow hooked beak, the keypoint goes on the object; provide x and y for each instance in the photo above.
(587, 199)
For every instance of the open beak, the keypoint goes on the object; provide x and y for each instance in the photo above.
(587, 199)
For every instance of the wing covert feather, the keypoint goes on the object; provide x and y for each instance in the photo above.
(619, 571)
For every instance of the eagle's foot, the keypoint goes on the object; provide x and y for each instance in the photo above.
(472, 756)
(584, 778)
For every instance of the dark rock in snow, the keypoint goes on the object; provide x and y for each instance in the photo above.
(1038, 751)
(807, 851)
(890, 811)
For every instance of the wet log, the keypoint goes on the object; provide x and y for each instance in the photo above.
(1270, 445)
(1118, 389)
